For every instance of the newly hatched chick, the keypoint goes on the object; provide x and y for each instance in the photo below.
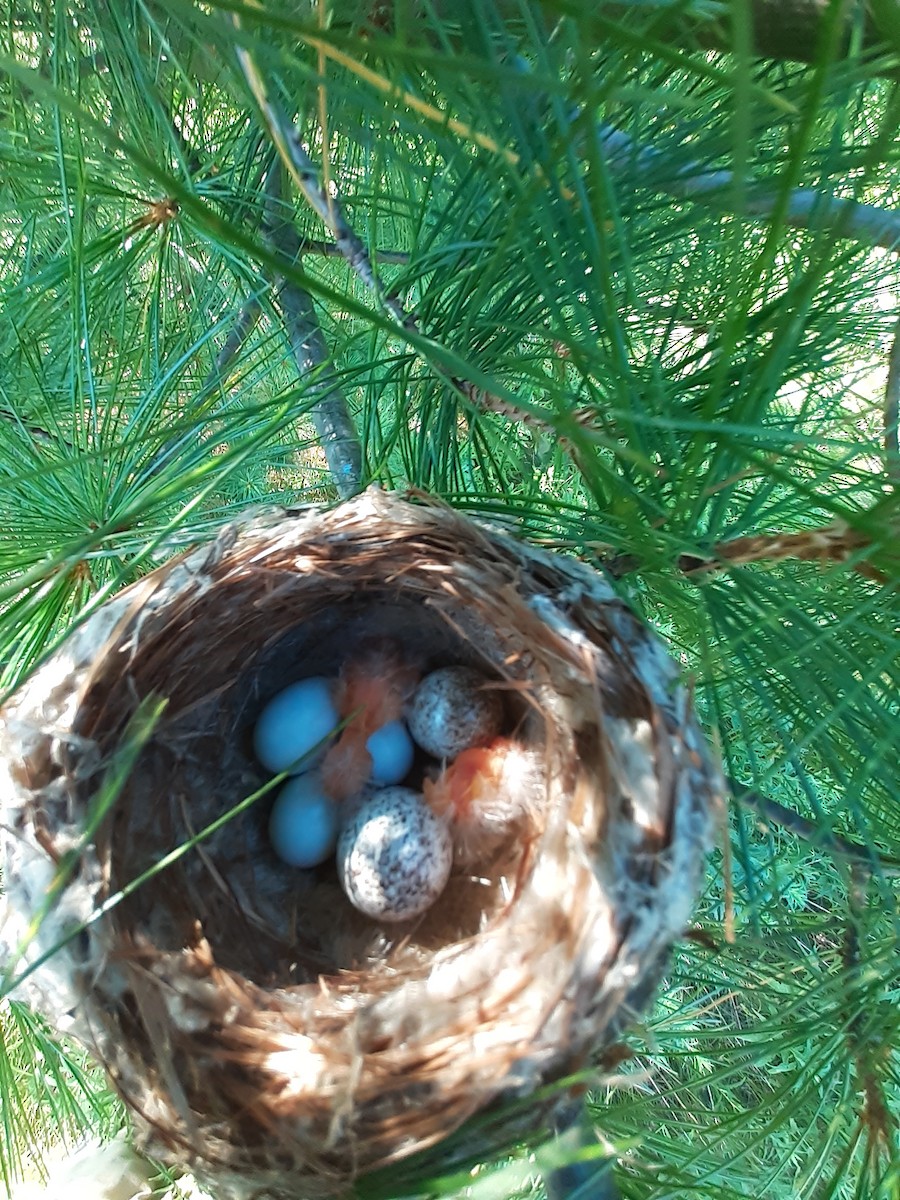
(484, 794)
(371, 692)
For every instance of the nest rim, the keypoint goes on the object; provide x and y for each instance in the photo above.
(336, 1119)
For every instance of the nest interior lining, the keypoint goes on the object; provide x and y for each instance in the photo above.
(276, 925)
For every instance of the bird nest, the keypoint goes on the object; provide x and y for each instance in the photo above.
(259, 1027)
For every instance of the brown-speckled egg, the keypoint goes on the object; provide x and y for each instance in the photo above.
(394, 855)
(452, 710)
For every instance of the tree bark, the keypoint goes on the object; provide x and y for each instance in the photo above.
(781, 29)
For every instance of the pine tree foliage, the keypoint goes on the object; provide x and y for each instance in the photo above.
(569, 335)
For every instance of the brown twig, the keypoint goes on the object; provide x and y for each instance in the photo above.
(157, 214)
(870, 1054)
(836, 542)
(829, 543)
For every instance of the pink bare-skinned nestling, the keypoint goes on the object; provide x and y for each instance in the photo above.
(372, 691)
(484, 794)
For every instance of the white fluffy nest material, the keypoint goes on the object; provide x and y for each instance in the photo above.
(261, 1030)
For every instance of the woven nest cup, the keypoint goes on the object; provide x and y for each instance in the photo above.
(260, 1028)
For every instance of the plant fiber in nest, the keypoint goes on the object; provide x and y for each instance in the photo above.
(260, 1029)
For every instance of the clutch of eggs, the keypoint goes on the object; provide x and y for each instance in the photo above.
(450, 711)
(395, 848)
(293, 733)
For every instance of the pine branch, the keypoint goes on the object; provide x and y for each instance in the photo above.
(330, 413)
(304, 174)
(836, 542)
(770, 810)
(244, 324)
(806, 208)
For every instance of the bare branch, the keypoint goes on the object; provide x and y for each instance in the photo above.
(304, 174)
(332, 250)
(37, 432)
(806, 208)
(330, 413)
(809, 831)
(244, 324)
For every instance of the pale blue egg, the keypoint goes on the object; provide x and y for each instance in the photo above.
(304, 823)
(293, 724)
(392, 752)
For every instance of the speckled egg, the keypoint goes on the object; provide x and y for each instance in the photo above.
(452, 711)
(394, 855)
